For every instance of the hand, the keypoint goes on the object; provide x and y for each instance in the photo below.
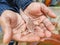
(39, 10)
(14, 28)
(36, 26)
(36, 10)
(11, 23)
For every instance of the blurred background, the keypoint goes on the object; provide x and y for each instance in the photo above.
(50, 2)
(54, 5)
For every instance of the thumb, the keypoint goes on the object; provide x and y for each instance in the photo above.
(47, 11)
(6, 29)
(7, 36)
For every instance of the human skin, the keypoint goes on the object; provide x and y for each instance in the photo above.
(12, 24)
(11, 21)
(36, 10)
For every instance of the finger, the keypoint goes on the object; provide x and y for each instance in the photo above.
(39, 31)
(47, 11)
(48, 33)
(48, 24)
(42, 26)
(30, 38)
(7, 29)
(27, 38)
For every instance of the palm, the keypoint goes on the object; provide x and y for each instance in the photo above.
(21, 33)
(14, 28)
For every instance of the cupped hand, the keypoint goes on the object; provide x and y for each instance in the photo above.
(36, 9)
(14, 28)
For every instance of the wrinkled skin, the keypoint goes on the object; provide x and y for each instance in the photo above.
(12, 24)
(39, 12)
(35, 10)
